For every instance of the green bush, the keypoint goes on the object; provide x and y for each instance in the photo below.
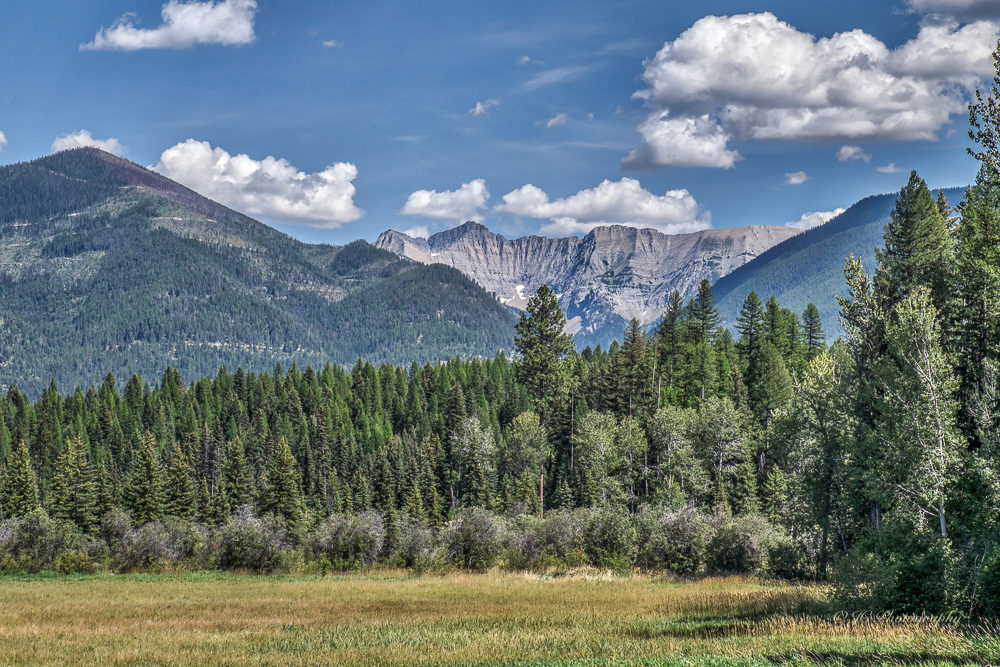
(347, 540)
(610, 539)
(247, 542)
(474, 540)
(673, 541)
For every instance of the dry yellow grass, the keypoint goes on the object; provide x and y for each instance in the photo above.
(492, 618)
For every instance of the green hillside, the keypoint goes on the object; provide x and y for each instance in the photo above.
(105, 266)
(809, 267)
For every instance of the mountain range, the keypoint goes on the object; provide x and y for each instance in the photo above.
(108, 266)
(611, 275)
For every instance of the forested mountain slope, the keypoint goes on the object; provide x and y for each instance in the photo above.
(810, 266)
(107, 266)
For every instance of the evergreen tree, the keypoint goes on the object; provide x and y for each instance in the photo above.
(282, 494)
(74, 493)
(236, 479)
(179, 496)
(144, 492)
(815, 338)
(541, 344)
(20, 490)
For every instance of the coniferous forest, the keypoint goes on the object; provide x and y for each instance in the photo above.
(872, 462)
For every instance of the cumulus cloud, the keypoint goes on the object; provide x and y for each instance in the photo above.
(755, 77)
(558, 119)
(3, 140)
(464, 203)
(84, 138)
(815, 219)
(696, 141)
(971, 8)
(528, 60)
(890, 168)
(848, 153)
(185, 24)
(482, 107)
(796, 178)
(271, 188)
(330, 43)
(420, 231)
(623, 202)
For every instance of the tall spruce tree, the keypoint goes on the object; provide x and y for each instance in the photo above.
(144, 491)
(19, 488)
(74, 493)
(542, 344)
(282, 493)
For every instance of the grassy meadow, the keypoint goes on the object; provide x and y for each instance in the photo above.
(464, 618)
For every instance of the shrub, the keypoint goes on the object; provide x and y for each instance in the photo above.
(563, 536)
(673, 541)
(347, 539)
(524, 543)
(247, 542)
(416, 545)
(35, 541)
(610, 539)
(143, 549)
(751, 545)
(475, 539)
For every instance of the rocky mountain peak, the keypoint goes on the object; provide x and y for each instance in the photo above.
(612, 274)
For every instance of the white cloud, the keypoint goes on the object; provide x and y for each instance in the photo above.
(623, 202)
(957, 7)
(271, 188)
(482, 107)
(691, 142)
(558, 119)
(890, 168)
(848, 153)
(185, 24)
(3, 140)
(84, 138)
(420, 231)
(815, 219)
(754, 77)
(796, 178)
(462, 204)
(556, 75)
(528, 60)
(330, 43)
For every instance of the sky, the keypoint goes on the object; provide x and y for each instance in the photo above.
(334, 121)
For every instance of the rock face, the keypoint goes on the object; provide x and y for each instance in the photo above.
(609, 276)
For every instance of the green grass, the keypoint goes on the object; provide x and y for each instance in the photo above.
(464, 618)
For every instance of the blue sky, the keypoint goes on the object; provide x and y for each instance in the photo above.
(406, 114)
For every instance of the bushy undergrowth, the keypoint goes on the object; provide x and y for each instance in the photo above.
(683, 542)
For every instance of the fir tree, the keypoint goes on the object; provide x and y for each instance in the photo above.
(282, 494)
(541, 344)
(74, 494)
(20, 490)
(144, 492)
(179, 496)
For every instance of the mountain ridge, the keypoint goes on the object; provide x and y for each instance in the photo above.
(106, 265)
(613, 273)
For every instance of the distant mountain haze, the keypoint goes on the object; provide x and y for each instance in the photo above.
(603, 279)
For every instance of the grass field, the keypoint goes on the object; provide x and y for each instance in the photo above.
(398, 618)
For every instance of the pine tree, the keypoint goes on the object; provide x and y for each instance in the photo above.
(236, 475)
(20, 490)
(815, 338)
(776, 500)
(282, 494)
(918, 249)
(541, 344)
(144, 492)
(74, 494)
(179, 497)
(668, 340)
